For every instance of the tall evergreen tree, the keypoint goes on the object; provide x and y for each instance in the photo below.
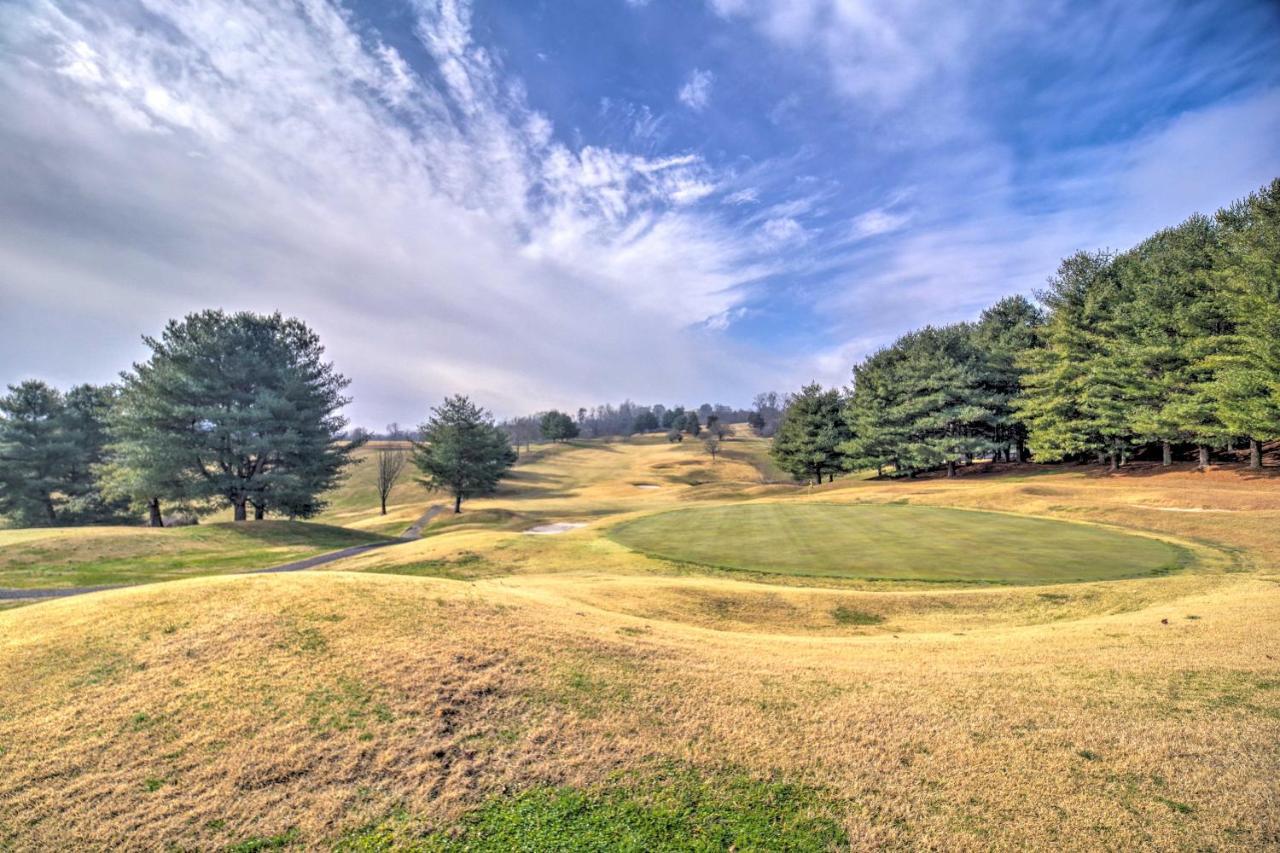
(1003, 335)
(240, 407)
(941, 401)
(875, 436)
(1178, 325)
(812, 431)
(86, 418)
(646, 421)
(1247, 369)
(37, 454)
(557, 426)
(462, 452)
(1078, 386)
(51, 446)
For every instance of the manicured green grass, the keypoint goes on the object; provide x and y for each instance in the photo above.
(678, 811)
(94, 556)
(892, 542)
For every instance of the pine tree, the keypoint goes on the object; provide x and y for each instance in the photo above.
(1247, 368)
(874, 437)
(1077, 389)
(37, 454)
(462, 452)
(646, 421)
(240, 407)
(557, 426)
(941, 403)
(1003, 335)
(808, 440)
(51, 448)
(1178, 327)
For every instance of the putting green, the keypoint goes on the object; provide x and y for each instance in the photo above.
(897, 542)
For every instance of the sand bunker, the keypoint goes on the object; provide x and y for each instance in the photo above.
(552, 529)
(646, 486)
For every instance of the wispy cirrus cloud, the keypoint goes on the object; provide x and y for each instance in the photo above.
(254, 154)
(696, 91)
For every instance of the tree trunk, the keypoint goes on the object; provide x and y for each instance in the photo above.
(951, 467)
(1102, 458)
(1022, 450)
(259, 512)
(51, 512)
(153, 505)
(239, 503)
(384, 506)
(1166, 450)
(1204, 456)
(831, 478)
(1113, 460)
(457, 504)
(1255, 453)
(879, 470)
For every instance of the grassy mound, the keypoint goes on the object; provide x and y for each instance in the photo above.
(94, 556)
(878, 541)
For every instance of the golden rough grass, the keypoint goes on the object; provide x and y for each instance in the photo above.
(204, 712)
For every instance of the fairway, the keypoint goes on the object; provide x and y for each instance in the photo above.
(896, 542)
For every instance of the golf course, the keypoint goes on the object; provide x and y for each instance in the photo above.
(703, 658)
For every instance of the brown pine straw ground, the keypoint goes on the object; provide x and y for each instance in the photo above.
(1120, 715)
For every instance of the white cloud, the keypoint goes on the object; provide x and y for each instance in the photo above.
(722, 321)
(245, 155)
(877, 52)
(696, 91)
(947, 269)
(782, 230)
(878, 221)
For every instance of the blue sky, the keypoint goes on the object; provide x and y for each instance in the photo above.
(560, 203)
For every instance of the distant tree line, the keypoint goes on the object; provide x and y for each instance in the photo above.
(1170, 346)
(629, 418)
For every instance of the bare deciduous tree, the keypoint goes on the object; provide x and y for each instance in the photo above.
(713, 447)
(391, 464)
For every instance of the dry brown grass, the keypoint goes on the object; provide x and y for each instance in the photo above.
(1129, 714)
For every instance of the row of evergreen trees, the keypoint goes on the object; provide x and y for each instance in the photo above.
(234, 409)
(1173, 343)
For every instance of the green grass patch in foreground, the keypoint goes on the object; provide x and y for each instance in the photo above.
(676, 811)
(101, 556)
(897, 542)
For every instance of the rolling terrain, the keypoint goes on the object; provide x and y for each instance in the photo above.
(482, 684)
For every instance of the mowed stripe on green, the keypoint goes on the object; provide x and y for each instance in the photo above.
(897, 542)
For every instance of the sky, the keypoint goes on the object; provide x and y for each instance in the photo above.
(561, 203)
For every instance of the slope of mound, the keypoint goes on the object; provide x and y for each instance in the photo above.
(896, 542)
(97, 556)
(270, 710)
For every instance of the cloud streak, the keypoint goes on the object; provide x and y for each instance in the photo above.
(825, 176)
(437, 233)
(696, 91)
